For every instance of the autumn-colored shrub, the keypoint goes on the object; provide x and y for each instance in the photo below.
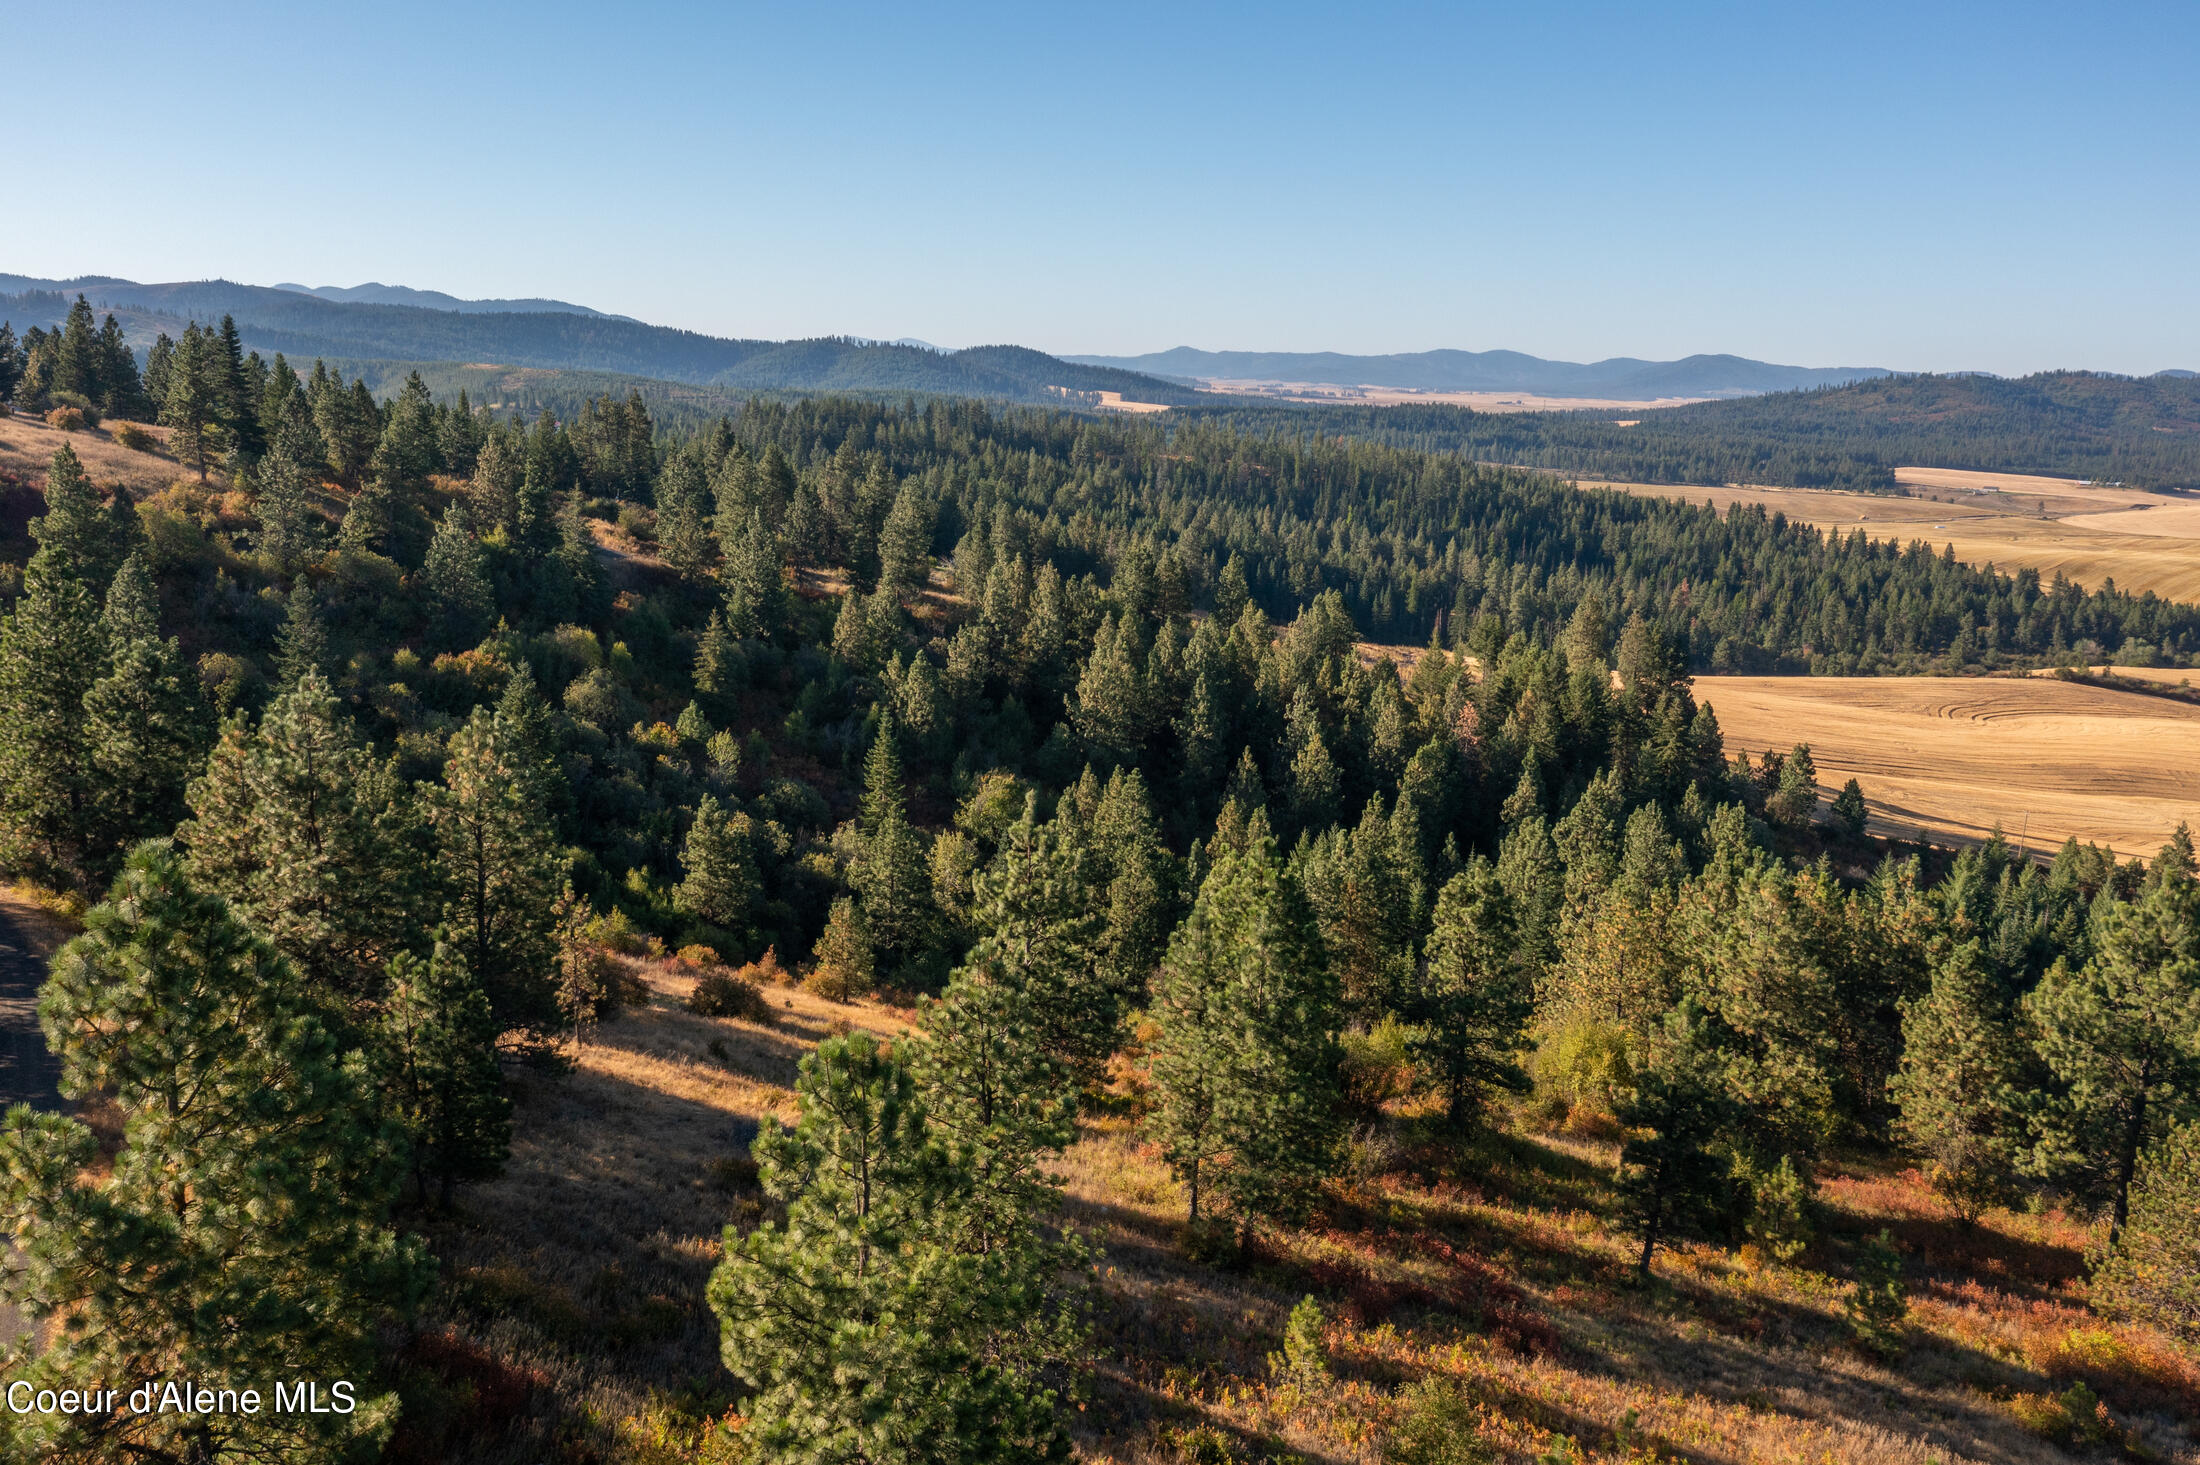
(135, 438)
(721, 993)
(68, 419)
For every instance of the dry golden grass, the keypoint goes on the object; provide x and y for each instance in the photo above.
(27, 448)
(1954, 757)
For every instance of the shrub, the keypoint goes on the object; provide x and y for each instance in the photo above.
(721, 993)
(1377, 1066)
(1779, 1211)
(135, 438)
(1582, 1072)
(696, 955)
(617, 932)
(1879, 1302)
(2076, 1416)
(1437, 1428)
(68, 419)
(1304, 1361)
(1203, 1444)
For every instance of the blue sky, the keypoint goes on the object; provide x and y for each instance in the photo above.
(2005, 187)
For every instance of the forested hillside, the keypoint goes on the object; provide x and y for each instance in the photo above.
(382, 742)
(2144, 432)
(305, 326)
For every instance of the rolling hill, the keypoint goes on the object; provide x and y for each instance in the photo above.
(306, 326)
(1621, 377)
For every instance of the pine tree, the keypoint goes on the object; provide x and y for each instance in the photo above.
(435, 1049)
(1795, 800)
(1963, 1067)
(501, 867)
(892, 878)
(235, 407)
(2152, 1271)
(192, 405)
(1672, 1179)
(301, 642)
(905, 543)
(2122, 1036)
(866, 1332)
(238, 1236)
(720, 885)
(292, 530)
(755, 586)
(847, 964)
(1849, 811)
(309, 840)
(683, 521)
(1245, 1062)
(1474, 1000)
(1878, 1302)
(144, 723)
(456, 575)
(999, 1060)
(53, 650)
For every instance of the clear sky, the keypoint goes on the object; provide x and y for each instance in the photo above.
(1926, 186)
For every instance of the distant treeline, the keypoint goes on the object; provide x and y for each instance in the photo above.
(2144, 432)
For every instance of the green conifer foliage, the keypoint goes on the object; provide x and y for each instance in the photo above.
(239, 1236)
(720, 883)
(1960, 1081)
(456, 576)
(1672, 1177)
(1475, 997)
(1245, 1062)
(435, 1049)
(144, 722)
(2122, 1035)
(867, 1332)
(192, 405)
(52, 647)
(308, 838)
(2152, 1272)
(501, 867)
(292, 530)
(892, 877)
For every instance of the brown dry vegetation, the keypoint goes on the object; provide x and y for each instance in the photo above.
(572, 1326)
(27, 448)
(1956, 757)
(2144, 541)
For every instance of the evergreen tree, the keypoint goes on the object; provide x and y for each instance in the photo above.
(892, 877)
(2122, 1036)
(291, 527)
(868, 1334)
(192, 406)
(1475, 999)
(309, 840)
(683, 521)
(501, 867)
(1963, 1067)
(234, 401)
(1672, 1178)
(301, 642)
(238, 1236)
(2152, 1271)
(847, 964)
(720, 884)
(1795, 799)
(144, 722)
(52, 651)
(436, 1051)
(905, 543)
(756, 596)
(993, 1068)
(1245, 1062)
(1849, 811)
(456, 575)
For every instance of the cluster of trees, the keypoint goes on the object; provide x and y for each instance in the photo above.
(1117, 791)
(79, 364)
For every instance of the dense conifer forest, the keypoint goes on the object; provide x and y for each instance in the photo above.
(368, 745)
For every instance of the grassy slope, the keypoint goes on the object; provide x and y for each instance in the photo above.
(572, 1326)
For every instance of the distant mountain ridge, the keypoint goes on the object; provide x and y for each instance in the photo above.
(1622, 378)
(306, 325)
(376, 293)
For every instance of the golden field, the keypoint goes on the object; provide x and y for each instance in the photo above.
(2142, 540)
(1951, 758)
(27, 447)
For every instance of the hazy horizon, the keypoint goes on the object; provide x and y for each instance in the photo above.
(1937, 190)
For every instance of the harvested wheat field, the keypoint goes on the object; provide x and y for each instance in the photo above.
(2143, 541)
(1952, 758)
